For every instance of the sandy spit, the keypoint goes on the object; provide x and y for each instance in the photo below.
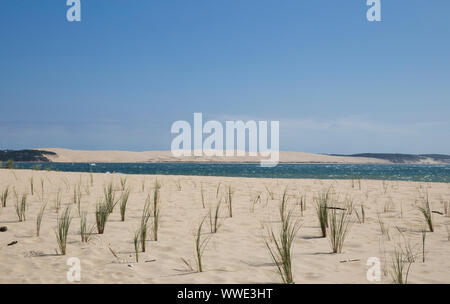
(85, 156)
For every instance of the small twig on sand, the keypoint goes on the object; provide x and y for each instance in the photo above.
(350, 260)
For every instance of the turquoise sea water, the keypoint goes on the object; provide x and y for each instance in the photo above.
(430, 173)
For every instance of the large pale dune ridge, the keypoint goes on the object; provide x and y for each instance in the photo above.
(108, 156)
(237, 252)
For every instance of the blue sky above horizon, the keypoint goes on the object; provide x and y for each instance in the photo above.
(119, 78)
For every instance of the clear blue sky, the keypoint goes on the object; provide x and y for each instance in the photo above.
(122, 76)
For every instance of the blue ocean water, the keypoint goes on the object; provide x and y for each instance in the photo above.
(428, 173)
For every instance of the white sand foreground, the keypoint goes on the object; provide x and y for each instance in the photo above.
(237, 252)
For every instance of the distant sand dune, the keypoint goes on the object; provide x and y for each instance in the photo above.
(66, 155)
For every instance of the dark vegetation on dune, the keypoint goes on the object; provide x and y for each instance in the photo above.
(25, 155)
(398, 158)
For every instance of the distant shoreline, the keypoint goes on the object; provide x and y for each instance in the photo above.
(59, 155)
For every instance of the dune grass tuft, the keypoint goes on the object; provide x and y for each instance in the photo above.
(110, 197)
(32, 185)
(361, 216)
(202, 193)
(77, 198)
(427, 214)
(91, 177)
(214, 217)
(408, 250)
(155, 224)
(123, 203)
(400, 267)
(218, 189)
(136, 245)
(85, 231)
(229, 200)
(123, 183)
(155, 210)
(389, 206)
(58, 201)
(143, 228)
(4, 196)
(385, 185)
(63, 223)
(102, 212)
(270, 193)
(322, 202)
(424, 237)
(87, 190)
(339, 223)
(301, 201)
(200, 245)
(255, 201)
(42, 189)
(358, 180)
(383, 228)
(21, 207)
(280, 247)
(349, 204)
(282, 209)
(39, 218)
(178, 183)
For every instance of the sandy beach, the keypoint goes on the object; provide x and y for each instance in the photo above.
(237, 252)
